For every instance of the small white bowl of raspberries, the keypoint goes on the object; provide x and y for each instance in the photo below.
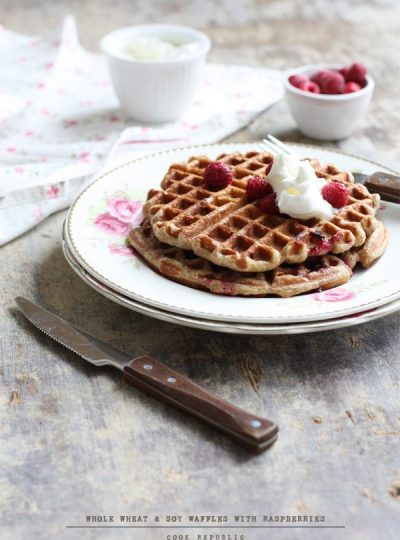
(328, 101)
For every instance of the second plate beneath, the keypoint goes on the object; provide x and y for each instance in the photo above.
(226, 327)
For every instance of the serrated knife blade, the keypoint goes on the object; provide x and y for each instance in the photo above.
(89, 348)
(151, 376)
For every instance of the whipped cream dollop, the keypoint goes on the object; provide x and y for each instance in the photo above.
(151, 48)
(298, 188)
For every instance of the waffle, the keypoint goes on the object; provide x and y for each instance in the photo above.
(373, 248)
(226, 229)
(183, 266)
(318, 273)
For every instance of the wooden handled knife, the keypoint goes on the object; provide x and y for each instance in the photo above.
(154, 378)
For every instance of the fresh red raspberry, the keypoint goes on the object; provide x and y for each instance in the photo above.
(257, 188)
(332, 83)
(345, 72)
(268, 204)
(314, 87)
(217, 175)
(357, 73)
(319, 75)
(310, 86)
(336, 194)
(295, 80)
(303, 85)
(351, 87)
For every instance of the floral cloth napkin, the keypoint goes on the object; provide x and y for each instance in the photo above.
(59, 121)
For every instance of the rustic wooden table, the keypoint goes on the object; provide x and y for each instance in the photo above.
(78, 441)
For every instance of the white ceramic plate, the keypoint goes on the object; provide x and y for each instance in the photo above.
(96, 232)
(228, 327)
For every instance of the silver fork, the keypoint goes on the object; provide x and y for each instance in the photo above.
(275, 145)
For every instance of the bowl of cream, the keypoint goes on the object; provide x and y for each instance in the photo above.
(155, 69)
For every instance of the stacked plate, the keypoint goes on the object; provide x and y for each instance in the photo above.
(94, 245)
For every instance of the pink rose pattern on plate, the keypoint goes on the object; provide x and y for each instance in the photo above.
(334, 295)
(122, 214)
(125, 210)
(117, 249)
(111, 225)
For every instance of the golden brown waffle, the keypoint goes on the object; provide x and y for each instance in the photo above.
(228, 230)
(372, 249)
(319, 273)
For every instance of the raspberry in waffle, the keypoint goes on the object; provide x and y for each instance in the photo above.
(318, 273)
(228, 230)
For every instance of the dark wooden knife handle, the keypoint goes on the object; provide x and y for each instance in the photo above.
(385, 184)
(153, 377)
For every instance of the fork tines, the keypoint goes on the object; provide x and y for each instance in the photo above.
(275, 146)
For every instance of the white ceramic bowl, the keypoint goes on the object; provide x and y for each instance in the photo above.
(326, 116)
(157, 90)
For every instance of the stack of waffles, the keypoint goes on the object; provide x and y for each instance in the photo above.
(218, 240)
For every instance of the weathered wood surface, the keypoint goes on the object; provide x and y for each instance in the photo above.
(78, 441)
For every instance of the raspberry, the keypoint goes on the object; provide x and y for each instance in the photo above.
(217, 175)
(322, 247)
(357, 73)
(268, 204)
(321, 77)
(303, 86)
(345, 72)
(322, 244)
(336, 194)
(329, 82)
(257, 188)
(314, 87)
(310, 86)
(332, 83)
(295, 80)
(351, 87)
(317, 77)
